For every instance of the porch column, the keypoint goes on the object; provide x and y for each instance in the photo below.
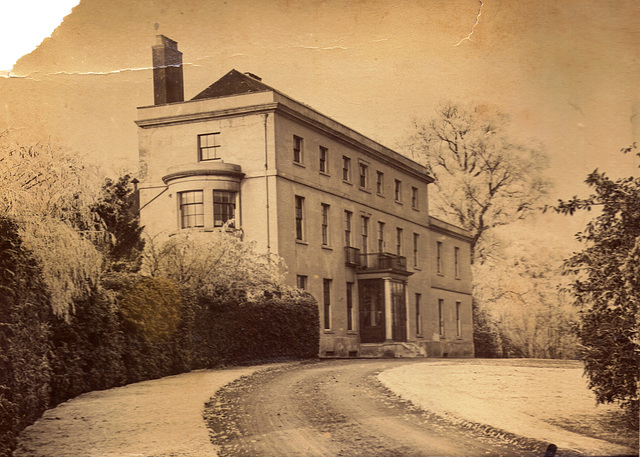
(388, 315)
(408, 308)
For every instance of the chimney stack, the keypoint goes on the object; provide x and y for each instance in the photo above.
(167, 71)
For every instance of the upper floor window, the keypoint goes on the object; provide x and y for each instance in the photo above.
(398, 190)
(414, 197)
(299, 203)
(380, 236)
(324, 160)
(224, 207)
(297, 149)
(439, 268)
(208, 145)
(399, 236)
(365, 234)
(346, 169)
(456, 261)
(191, 209)
(347, 228)
(380, 183)
(325, 224)
(364, 174)
(416, 242)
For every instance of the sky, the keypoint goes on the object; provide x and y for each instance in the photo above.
(567, 72)
(21, 31)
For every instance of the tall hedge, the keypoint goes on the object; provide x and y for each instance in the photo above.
(284, 326)
(128, 329)
(24, 338)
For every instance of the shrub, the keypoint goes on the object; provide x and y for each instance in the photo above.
(151, 313)
(87, 348)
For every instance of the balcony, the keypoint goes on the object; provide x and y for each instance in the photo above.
(352, 256)
(383, 261)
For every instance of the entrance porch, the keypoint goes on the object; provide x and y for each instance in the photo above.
(383, 318)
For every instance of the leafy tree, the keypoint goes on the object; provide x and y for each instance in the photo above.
(606, 287)
(117, 209)
(484, 178)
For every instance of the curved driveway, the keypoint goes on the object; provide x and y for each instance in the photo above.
(335, 408)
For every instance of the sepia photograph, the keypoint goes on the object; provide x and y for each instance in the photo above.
(365, 228)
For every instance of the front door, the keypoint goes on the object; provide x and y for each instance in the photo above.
(398, 311)
(371, 304)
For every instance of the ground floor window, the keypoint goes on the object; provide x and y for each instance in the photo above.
(458, 323)
(326, 287)
(301, 282)
(418, 315)
(224, 207)
(350, 306)
(441, 317)
(191, 209)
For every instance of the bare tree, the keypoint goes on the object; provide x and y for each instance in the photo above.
(48, 192)
(484, 178)
(213, 260)
(525, 296)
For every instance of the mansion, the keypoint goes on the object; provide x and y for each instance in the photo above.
(349, 216)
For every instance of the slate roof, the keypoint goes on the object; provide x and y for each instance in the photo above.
(233, 83)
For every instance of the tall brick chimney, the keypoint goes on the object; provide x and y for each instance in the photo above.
(167, 71)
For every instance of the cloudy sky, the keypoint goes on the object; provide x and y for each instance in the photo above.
(566, 72)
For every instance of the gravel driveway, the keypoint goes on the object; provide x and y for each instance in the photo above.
(158, 418)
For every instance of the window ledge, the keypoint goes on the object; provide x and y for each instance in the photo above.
(417, 268)
(364, 189)
(299, 164)
(352, 332)
(329, 332)
(347, 182)
(399, 202)
(328, 248)
(415, 209)
(380, 195)
(440, 274)
(305, 243)
(324, 173)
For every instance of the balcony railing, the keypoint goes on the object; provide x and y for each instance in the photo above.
(383, 261)
(352, 256)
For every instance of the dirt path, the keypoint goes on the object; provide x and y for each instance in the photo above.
(336, 408)
(159, 418)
